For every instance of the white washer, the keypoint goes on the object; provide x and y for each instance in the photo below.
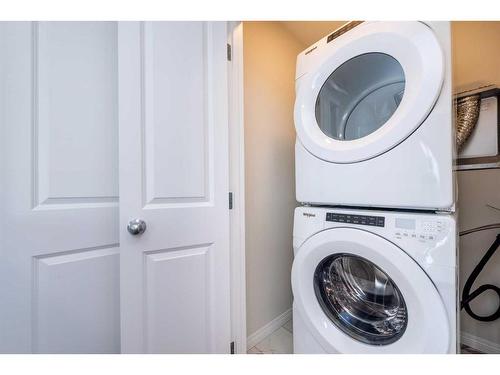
(374, 117)
(367, 281)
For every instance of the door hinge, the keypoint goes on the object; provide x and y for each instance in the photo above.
(229, 54)
(232, 347)
(230, 200)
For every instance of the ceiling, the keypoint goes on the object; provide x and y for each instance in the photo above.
(308, 32)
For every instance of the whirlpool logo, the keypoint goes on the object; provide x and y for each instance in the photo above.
(307, 214)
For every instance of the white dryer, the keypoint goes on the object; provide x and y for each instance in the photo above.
(367, 281)
(374, 117)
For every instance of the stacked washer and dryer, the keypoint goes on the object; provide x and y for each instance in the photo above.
(375, 267)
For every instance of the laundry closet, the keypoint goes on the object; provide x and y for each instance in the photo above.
(150, 174)
(269, 73)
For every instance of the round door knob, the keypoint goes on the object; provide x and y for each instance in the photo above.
(136, 226)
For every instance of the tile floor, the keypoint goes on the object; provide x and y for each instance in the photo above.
(278, 342)
(281, 342)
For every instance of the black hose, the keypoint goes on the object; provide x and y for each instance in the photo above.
(467, 296)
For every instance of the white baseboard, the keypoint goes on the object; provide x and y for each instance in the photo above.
(269, 328)
(478, 343)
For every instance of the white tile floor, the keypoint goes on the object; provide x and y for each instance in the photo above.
(278, 342)
(281, 342)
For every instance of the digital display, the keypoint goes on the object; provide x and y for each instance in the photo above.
(376, 221)
(405, 224)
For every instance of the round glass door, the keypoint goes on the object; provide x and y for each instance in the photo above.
(360, 96)
(360, 299)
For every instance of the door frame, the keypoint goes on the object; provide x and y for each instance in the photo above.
(237, 186)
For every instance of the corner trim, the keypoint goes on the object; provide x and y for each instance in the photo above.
(268, 328)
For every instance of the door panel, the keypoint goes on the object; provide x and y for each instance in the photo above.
(165, 272)
(177, 118)
(174, 176)
(59, 191)
(91, 276)
(75, 124)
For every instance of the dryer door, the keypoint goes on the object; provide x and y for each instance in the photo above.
(360, 293)
(370, 89)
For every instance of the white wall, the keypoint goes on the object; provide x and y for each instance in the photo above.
(269, 61)
(476, 62)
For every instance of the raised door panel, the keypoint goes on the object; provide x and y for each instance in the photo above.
(177, 123)
(178, 296)
(75, 112)
(76, 300)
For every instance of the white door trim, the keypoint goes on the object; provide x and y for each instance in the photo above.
(237, 187)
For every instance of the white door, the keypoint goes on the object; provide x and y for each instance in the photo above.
(59, 255)
(174, 176)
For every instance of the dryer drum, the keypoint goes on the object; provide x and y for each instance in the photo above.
(467, 115)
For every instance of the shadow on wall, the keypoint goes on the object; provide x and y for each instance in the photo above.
(269, 60)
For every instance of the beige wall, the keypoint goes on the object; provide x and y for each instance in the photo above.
(476, 62)
(309, 32)
(476, 50)
(269, 71)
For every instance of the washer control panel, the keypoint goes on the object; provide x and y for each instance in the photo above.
(376, 221)
(401, 227)
(420, 230)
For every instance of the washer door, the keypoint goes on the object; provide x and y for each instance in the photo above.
(371, 88)
(360, 293)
